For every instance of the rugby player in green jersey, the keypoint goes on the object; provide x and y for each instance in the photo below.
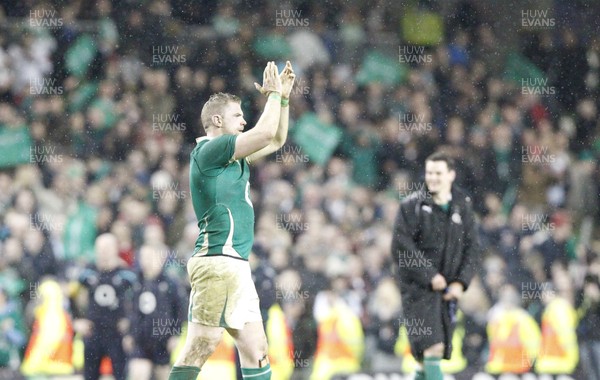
(223, 296)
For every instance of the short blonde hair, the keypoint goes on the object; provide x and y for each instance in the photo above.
(214, 106)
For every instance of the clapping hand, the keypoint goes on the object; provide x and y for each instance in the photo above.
(287, 78)
(271, 80)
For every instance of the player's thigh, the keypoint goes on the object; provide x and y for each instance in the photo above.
(140, 369)
(197, 331)
(251, 341)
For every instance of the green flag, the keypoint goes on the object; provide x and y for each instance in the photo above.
(82, 96)
(377, 67)
(523, 72)
(272, 46)
(80, 55)
(316, 138)
(80, 234)
(15, 145)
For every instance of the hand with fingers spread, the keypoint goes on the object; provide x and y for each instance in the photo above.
(271, 80)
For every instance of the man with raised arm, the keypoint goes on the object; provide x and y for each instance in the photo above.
(223, 296)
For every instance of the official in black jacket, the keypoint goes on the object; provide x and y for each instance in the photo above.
(159, 309)
(105, 324)
(436, 251)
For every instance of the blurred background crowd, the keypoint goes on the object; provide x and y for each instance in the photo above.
(99, 110)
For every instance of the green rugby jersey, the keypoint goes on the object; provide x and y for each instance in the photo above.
(220, 195)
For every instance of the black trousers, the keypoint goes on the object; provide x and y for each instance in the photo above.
(101, 344)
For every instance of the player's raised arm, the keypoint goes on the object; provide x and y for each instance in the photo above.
(287, 83)
(263, 133)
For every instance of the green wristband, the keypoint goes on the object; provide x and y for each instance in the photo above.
(275, 96)
(285, 102)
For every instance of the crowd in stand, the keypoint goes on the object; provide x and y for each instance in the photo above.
(110, 116)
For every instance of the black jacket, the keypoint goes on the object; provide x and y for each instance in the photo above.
(428, 240)
(443, 242)
(159, 309)
(110, 297)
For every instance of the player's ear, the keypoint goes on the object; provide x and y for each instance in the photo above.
(452, 175)
(217, 121)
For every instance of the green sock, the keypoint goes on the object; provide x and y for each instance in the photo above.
(263, 373)
(184, 372)
(433, 371)
(420, 375)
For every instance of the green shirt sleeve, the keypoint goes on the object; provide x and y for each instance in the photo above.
(216, 154)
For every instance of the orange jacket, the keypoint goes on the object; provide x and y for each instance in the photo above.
(559, 353)
(514, 339)
(281, 346)
(340, 343)
(50, 347)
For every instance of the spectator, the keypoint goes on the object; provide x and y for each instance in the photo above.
(589, 339)
(384, 327)
(570, 63)
(38, 259)
(12, 336)
(554, 248)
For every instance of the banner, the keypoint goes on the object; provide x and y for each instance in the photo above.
(381, 68)
(80, 55)
(421, 27)
(316, 138)
(523, 72)
(15, 145)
